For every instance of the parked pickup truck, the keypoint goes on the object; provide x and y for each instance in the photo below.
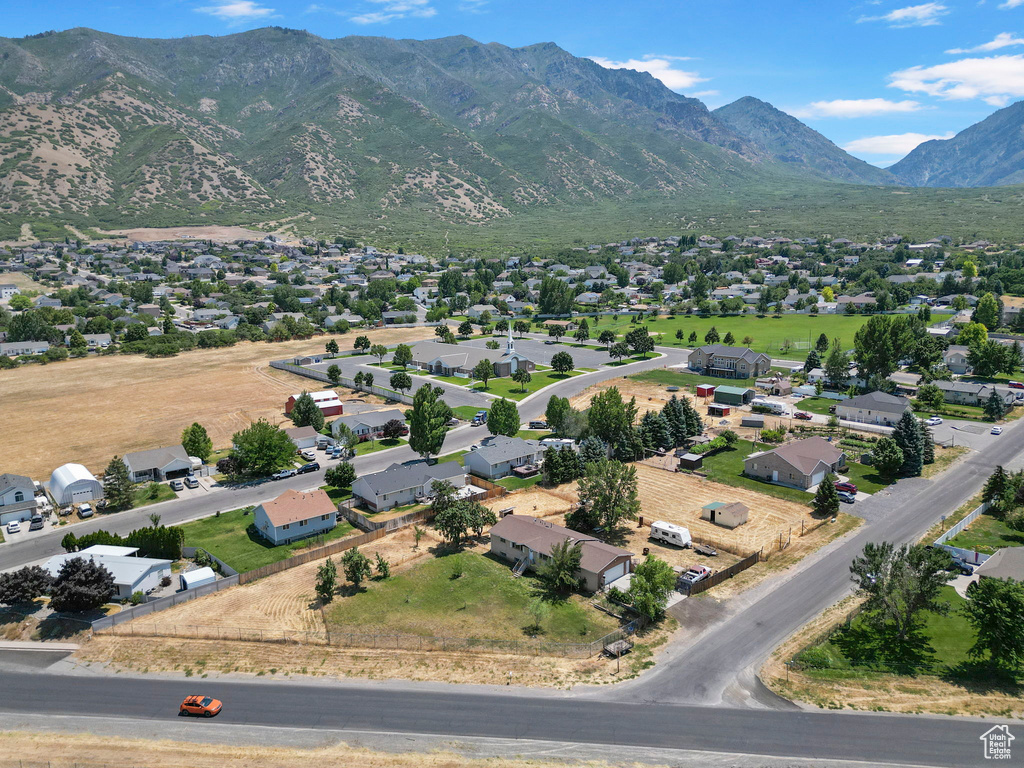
(694, 574)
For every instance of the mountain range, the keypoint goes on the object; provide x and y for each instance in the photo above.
(276, 124)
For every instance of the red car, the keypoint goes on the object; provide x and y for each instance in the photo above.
(848, 487)
(1016, 385)
(203, 706)
(802, 415)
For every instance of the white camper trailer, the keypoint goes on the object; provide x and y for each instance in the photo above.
(670, 533)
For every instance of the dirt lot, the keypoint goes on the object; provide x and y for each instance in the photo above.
(122, 403)
(888, 693)
(220, 234)
(23, 281)
(83, 750)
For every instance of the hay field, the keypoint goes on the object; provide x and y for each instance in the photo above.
(677, 497)
(88, 410)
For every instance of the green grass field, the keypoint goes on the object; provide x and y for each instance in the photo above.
(986, 535)
(769, 333)
(469, 596)
(372, 446)
(505, 387)
(519, 483)
(233, 538)
(153, 493)
(859, 651)
(688, 381)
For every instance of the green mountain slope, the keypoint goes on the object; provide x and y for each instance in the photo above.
(988, 154)
(794, 144)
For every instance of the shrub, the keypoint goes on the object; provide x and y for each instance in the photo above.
(137, 597)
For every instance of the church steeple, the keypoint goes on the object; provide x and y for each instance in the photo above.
(510, 345)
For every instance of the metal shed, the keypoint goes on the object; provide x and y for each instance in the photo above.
(733, 395)
(691, 461)
(705, 390)
(717, 409)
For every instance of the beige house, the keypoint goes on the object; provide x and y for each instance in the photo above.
(729, 362)
(873, 408)
(800, 464)
(527, 542)
(728, 515)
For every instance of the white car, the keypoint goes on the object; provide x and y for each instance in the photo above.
(934, 421)
(308, 454)
(997, 430)
(14, 527)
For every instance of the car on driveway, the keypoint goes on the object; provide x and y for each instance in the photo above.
(848, 487)
(202, 706)
(694, 574)
(802, 415)
(177, 485)
(846, 497)
(84, 511)
(283, 474)
(956, 564)
(308, 454)
(13, 527)
(934, 421)
(997, 430)
(191, 482)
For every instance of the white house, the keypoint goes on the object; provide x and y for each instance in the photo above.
(17, 498)
(131, 574)
(7, 290)
(294, 515)
(15, 348)
(497, 456)
(303, 437)
(873, 408)
(74, 484)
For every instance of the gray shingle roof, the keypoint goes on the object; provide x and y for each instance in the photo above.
(500, 448)
(878, 401)
(399, 477)
(9, 481)
(155, 457)
(541, 536)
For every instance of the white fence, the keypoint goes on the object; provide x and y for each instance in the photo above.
(967, 555)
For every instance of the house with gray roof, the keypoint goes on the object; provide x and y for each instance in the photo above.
(402, 484)
(367, 425)
(158, 464)
(873, 408)
(729, 362)
(799, 464)
(497, 456)
(955, 359)
(460, 359)
(973, 393)
(528, 541)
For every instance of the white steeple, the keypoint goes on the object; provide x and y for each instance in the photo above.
(510, 345)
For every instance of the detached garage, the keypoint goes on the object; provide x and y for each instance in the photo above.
(74, 484)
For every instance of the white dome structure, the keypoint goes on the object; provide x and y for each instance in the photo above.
(73, 484)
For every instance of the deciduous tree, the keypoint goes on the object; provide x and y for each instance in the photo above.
(401, 381)
(261, 448)
(356, 566)
(428, 421)
(402, 356)
(24, 585)
(197, 442)
(562, 362)
(340, 476)
(522, 377)
(995, 609)
(503, 418)
(650, 585)
(559, 572)
(483, 371)
(326, 580)
(608, 490)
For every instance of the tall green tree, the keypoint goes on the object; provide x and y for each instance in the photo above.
(503, 418)
(118, 489)
(821, 345)
(650, 585)
(362, 343)
(556, 411)
(261, 448)
(901, 584)
(608, 491)
(712, 337)
(522, 377)
(996, 485)
(379, 351)
(334, 374)
(987, 312)
(995, 610)
(562, 362)
(559, 573)
(306, 413)
(813, 361)
(400, 381)
(326, 580)
(23, 586)
(331, 347)
(907, 435)
(826, 498)
(887, 457)
(402, 356)
(837, 367)
(428, 421)
(483, 371)
(995, 408)
(609, 417)
(196, 442)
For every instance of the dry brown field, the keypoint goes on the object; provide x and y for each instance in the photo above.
(88, 410)
(23, 281)
(63, 750)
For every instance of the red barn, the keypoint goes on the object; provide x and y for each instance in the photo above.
(705, 390)
(327, 401)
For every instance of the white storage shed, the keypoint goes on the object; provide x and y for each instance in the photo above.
(73, 484)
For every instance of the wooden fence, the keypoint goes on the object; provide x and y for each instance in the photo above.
(493, 490)
(341, 545)
(726, 573)
(361, 521)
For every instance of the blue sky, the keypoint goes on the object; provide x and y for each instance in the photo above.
(875, 76)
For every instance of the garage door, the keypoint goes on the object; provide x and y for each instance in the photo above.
(22, 516)
(613, 573)
(78, 496)
(817, 477)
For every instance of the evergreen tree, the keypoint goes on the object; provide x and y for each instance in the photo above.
(675, 415)
(196, 442)
(592, 449)
(996, 485)
(821, 345)
(907, 435)
(813, 361)
(655, 429)
(306, 413)
(826, 498)
(711, 337)
(118, 489)
(694, 422)
(552, 467)
(995, 408)
(927, 444)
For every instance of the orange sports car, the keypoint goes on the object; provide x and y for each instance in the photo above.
(200, 705)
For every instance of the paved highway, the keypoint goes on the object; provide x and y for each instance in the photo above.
(874, 739)
(38, 547)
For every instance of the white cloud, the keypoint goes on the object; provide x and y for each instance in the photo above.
(1002, 40)
(855, 108)
(1011, 4)
(995, 79)
(237, 11)
(658, 66)
(396, 9)
(924, 15)
(701, 94)
(896, 144)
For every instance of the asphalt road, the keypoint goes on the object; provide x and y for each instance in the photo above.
(41, 546)
(871, 738)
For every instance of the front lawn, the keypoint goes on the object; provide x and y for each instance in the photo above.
(152, 493)
(514, 483)
(465, 595)
(232, 537)
(466, 412)
(372, 446)
(727, 467)
(987, 534)
(818, 405)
